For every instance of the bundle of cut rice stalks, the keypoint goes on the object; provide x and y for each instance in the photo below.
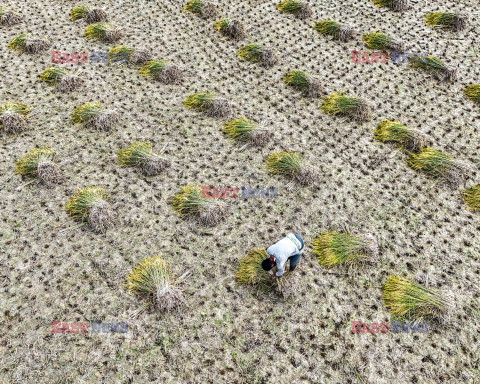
(189, 203)
(153, 277)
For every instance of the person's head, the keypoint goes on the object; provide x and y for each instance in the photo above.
(268, 264)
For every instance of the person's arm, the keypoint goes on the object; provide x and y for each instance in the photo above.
(280, 271)
(272, 258)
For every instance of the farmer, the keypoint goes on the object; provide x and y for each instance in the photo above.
(289, 248)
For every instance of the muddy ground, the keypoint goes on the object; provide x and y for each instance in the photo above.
(52, 270)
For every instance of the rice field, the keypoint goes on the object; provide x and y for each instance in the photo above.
(104, 153)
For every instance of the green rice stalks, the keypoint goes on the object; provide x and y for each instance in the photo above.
(291, 165)
(471, 196)
(27, 43)
(436, 67)
(394, 5)
(245, 130)
(91, 15)
(13, 117)
(104, 32)
(250, 270)
(231, 28)
(85, 113)
(189, 203)
(334, 29)
(9, 18)
(439, 165)
(382, 41)
(40, 163)
(61, 78)
(300, 9)
(79, 12)
(397, 133)
(309, 86)
(28, 164)
(93, 115)
(91, 204)
(333, 248)
(257, 54)
(342, 105)
(202, 8)
(15, 108)
(408, 300)
(162, 71)
(122, 53)
(141, 155)
(284, 163)
(53, 75)
(153, 277)
(454, 21)
(208, 103)
(473, 92)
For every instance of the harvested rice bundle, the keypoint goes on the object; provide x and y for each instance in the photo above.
(91, 15)
(40, 163)
(62, 79)
(202, 8)
(408, 300)
(245, 130)
(231, 28)
(308, 85)
(333, 248)
(250, 272)
(141, 155)
(190, 203)
(91, 204)
(154, 277)
(208, 103)
(9, 18)
(342, 105)
(471, 196)
(394, 5)
(397, 133)
(293, 166)
(473, 92)
(382, 41)
(455, 21)
(256, 53)
(439, 165)
(93, 115)
(104, 32)
(334, 29)
(13, 117)
(162, 71)
(300, 9)
(26, 43)
(435, 66)
(122, 53)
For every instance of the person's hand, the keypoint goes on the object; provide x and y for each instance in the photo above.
(274, 276)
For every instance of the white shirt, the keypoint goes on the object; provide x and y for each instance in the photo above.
(282, 250)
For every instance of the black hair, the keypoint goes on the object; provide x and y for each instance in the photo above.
(267, 264)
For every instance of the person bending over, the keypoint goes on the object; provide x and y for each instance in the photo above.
(289, 248)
